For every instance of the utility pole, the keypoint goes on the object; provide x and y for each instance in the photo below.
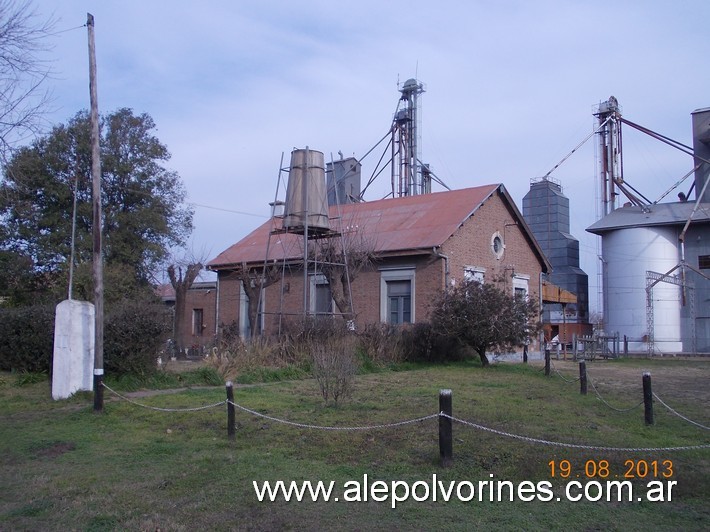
(97, 223)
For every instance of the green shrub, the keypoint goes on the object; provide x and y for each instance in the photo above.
(421, 342)
(25, 378)
(134, 332)
(209, 376)
(26, 338)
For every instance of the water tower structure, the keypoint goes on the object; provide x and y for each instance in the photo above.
(306, 227)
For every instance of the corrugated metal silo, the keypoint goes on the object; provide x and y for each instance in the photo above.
(701, 147)
(306, 200)
(628, 253)
(343, 181)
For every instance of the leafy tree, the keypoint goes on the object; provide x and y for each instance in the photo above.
(484, 317)
(23, 72)
(143, 202)
(16, 280)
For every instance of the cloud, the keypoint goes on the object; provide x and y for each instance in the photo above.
(510, 89)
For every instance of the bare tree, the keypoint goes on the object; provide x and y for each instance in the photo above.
(254, 279)
(23, 72)
(340, 260)
(181, 278)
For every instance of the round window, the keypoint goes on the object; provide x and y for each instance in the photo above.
(497, 245)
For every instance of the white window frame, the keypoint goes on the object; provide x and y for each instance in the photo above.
(499, 253)
(315, 280)
(475, 273)
(396, 274)
(521, 282)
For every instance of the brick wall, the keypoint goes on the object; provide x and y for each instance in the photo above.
(469, 246)
(202, 298)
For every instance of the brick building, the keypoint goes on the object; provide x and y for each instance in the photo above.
(199, 319)
(422, 243)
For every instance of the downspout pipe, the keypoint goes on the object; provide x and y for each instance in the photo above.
(447, 272)
(216, 308)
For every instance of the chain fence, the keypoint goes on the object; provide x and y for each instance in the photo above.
(622, 410)
(562, 376)
(679, 415)
(530, 439)
(158, 409)
(439, 415)
(320, 427)
(629, 409)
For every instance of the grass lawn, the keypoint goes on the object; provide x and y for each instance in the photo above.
(65, 467)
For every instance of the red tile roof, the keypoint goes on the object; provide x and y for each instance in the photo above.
(394, 225)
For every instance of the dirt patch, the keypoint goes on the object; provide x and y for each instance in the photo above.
(55, 449)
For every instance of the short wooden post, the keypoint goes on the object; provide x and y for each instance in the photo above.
(525, 353)
(446, 439)
(98, 390)
(547, 361)
(583, 377)
(647, 398)
(230, 410)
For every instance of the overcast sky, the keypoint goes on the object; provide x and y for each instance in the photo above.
(510, 90)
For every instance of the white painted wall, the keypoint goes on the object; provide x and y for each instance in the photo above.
(73, 361)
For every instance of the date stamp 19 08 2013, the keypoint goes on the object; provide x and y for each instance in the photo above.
(630, 469)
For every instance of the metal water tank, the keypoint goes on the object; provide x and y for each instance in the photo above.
(306, 199)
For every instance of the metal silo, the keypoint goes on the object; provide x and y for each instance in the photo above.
(701, 148)
(306, 208)
(628, 253)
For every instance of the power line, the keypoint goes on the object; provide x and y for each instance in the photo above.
(225, 210)
(67, 30)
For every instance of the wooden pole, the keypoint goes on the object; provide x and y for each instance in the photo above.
(230, 411)
(583, 377)
(97, 222)
(446, 439)
(647, 398)
(547, 361)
